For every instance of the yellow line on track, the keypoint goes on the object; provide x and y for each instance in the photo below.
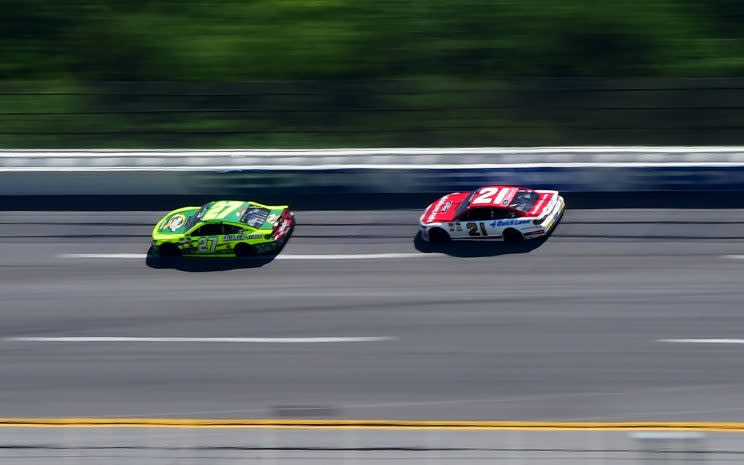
(366, 424)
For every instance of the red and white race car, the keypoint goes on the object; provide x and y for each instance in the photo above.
(508, 213)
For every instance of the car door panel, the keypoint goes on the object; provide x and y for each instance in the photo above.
(457, 230)
(203, 240)
(495, 230)
(231, 237)
(472, 224)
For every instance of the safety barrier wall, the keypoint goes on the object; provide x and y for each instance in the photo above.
(412, 170)
(419, 446)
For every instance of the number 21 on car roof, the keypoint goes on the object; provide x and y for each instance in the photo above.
(494, 196)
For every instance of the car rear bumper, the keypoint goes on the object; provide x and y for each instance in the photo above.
(284, 229)
(552, 221)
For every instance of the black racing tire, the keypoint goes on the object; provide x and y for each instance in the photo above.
(513, 236)
(243, 250)
(439, 236)
(169, 250)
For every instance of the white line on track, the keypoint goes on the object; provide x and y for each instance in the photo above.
(733, 257)
(362, 256)
(103, 255)
(703, 341)
(270, 340)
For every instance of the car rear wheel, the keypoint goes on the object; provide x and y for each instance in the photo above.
(438, 236)
(244, 250)
(512, 236)
(169, 250)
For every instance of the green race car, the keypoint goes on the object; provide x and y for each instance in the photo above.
(223, 228)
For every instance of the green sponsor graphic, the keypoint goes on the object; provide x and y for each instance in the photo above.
(175, 222)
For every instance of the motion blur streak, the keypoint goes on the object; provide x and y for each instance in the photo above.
(218, 340)
(704, 341)
(566, 330)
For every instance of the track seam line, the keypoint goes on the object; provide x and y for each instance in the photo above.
(366, 424)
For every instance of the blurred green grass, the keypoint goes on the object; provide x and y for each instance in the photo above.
(319, 73)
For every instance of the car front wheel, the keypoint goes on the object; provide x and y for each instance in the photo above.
(438, 236)
(169, 250)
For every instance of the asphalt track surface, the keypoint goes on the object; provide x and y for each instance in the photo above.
(567, 329)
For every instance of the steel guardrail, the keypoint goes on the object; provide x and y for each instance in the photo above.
(368, 159)
(367, 171)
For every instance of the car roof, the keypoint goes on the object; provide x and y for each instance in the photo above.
(223, 211)
(493, 196)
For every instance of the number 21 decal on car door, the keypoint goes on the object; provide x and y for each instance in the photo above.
(476, 229)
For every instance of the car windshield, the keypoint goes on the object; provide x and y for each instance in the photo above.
(524, 200)
(464, 205)
(196, 218)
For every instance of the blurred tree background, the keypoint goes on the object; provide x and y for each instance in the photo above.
(325, 73)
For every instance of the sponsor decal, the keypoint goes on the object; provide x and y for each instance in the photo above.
(436, 208)
(534, 233)
(538, 206)
(240, 237)
(271, 218)
(175, 222)
(446, 207)
(508, 222)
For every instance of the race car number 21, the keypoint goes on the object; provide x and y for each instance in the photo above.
(473, 229)
(207, 244)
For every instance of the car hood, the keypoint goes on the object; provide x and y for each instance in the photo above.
(444, 209)
(174, 223)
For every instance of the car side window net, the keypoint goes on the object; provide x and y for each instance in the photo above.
(477, 214)
(501, 214)
(231, 229)
(208, 230)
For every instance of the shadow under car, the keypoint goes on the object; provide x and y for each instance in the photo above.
(201, 265)
(474, 249)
